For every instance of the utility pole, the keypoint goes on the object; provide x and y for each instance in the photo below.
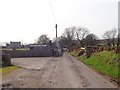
(56, 30)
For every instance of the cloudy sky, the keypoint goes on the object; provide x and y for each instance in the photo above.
(26, 20)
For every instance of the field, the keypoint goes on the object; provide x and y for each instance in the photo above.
(18, 49)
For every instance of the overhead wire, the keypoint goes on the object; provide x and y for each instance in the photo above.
(52, 11)
(57, 43)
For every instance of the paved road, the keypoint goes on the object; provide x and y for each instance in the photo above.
(54, 72)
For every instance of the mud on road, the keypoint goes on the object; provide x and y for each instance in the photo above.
(54, 72)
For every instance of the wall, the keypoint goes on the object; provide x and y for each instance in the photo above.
(35, 52)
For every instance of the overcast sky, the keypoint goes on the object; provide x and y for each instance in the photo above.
(26, 20)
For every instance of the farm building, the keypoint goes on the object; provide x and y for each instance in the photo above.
(14, 45)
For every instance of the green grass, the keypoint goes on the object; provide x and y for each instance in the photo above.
(105, 62)
(8, 69)
(73, 53)
(22, 49)
(18, 49)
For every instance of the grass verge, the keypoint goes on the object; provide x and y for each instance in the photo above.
(8, 69)
(105, 62)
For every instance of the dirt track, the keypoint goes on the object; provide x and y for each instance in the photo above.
(54, 72)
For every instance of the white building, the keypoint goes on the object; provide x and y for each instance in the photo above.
(14, 45)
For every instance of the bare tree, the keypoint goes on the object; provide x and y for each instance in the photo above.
(69, 33)
(64, 42)
(107, 36)
(110, 36)
(81, 33)
(72, 33)
(43, 39)
(90, 40)
(114, 31)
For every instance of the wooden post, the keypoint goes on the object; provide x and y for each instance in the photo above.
(56, 30)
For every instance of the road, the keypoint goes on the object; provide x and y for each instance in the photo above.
(54, 72)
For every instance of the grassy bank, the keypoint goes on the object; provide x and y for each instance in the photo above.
(105, 62)
(8, 69)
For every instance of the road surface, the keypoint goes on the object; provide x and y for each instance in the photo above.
(54, 72)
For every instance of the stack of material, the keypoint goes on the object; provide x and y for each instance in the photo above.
(6, 60)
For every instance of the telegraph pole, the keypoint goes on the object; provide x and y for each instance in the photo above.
(56, 30)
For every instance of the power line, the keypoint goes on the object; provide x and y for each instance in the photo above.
(53, 17)
(52, 12)
(57, 43)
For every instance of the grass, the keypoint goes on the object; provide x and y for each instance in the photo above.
(73, 53)
(105, 62)
(5, 49)
(22, 49)
(18, 49)
(8, 69)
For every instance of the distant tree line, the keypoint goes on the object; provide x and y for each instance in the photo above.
(43, 39)
(82, 36)
(110, 36)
